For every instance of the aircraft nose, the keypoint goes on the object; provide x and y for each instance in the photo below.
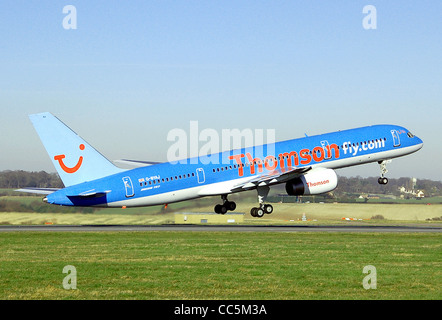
(419, 142)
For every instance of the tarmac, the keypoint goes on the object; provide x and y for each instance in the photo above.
(220, 228)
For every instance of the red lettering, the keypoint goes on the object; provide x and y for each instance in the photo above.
(237, 158)
(267, 164)
(286, 159)
(288, 156)
(307, 158)
(318, 151)
(335, 147)
(253, 162)
(319, 183)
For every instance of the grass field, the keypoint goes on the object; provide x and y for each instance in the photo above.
(220, 265)
(223, 265)
(284, 213)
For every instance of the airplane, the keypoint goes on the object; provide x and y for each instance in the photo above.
(305, 165)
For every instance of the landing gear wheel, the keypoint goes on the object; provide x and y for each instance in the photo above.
(253, 212)
(230, 205)
(226, 206)
(383, 166)
(268, 208)
(219, 208)
(259, 212)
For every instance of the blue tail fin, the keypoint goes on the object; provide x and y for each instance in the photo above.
(75, 160)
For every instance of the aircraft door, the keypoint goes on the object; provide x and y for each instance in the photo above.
(396, 139)
(200, 175)
(129, 187)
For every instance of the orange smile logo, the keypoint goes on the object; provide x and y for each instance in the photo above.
(65, 168)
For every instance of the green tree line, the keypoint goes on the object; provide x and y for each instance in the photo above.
(19, 179)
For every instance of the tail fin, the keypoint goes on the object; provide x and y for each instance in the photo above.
(75, 160)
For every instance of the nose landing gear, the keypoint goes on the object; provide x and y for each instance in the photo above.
(383, 164)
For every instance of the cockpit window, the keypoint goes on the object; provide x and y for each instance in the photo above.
(409, 134)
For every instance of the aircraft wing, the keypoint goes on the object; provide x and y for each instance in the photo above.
(38, 190)
(276, 176)
(136, 163)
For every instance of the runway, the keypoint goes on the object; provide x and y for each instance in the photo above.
(220, 228)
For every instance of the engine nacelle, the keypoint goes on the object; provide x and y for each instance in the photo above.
(316, 181)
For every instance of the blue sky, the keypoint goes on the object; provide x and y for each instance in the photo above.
(134, 70)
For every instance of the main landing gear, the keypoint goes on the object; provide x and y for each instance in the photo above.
(383, 164)
(226, 206)
(258, 212)
(263, 208)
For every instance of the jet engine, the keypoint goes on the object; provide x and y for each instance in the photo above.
(316, 181)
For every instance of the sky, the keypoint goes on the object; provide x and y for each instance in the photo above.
(132, 71)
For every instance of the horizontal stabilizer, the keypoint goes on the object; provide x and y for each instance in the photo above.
(89, 194)
(136, 163)
(38, 190)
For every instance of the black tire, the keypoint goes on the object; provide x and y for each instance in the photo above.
(223, 209)
(253, 212)
(230, 205)
(218, 208)
(268, 208)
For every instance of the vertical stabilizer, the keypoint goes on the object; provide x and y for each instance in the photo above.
(74, 159)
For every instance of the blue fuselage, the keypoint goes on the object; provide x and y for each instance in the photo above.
(217, 173)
